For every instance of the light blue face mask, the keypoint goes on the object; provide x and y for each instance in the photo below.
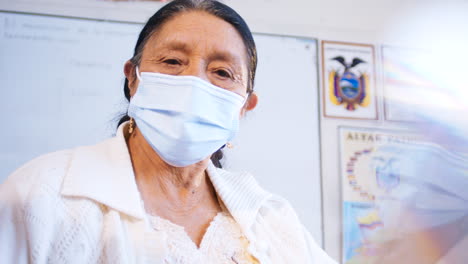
(184, 118)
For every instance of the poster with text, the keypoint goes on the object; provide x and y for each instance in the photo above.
(367, 175)
(348, 89)
(404, 198)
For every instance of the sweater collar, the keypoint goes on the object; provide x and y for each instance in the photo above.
(104, 173)
(240, 193)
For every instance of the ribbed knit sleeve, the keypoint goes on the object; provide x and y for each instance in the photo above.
(13, 231)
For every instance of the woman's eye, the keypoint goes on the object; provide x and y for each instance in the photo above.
(223, 73)
(172, 62)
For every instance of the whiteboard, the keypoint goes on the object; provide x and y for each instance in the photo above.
(62, 82)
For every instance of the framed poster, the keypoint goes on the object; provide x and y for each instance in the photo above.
(404, 198)
(348, 75)
(367, 175)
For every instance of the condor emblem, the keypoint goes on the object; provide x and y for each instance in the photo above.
(347, 87)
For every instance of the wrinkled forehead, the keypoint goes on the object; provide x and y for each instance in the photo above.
(198, 30)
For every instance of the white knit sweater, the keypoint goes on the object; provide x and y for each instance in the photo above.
(83, 206)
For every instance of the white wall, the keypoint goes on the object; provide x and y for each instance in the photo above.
(413, 23)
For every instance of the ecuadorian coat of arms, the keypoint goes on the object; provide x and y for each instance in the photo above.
(347, 87)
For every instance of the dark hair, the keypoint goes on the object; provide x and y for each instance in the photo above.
(213, 7)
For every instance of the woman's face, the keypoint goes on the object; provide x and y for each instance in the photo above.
(198, 44)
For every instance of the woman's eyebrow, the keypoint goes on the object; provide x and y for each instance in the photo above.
(225, 56)
(177, 46)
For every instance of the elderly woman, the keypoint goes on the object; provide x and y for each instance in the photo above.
(153, 193)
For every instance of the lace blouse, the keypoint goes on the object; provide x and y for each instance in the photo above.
(223, 242)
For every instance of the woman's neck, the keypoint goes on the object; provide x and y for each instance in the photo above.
(166, 189)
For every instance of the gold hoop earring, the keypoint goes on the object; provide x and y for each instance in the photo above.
(131, 125)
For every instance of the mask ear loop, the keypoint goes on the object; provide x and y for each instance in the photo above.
(131, 125)
(229, 145)
(137, 71)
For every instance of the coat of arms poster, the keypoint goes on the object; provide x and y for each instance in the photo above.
(348, 80)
